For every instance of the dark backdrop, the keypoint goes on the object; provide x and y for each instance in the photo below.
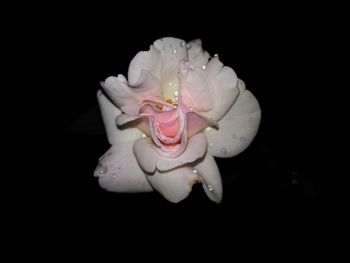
(287, 61)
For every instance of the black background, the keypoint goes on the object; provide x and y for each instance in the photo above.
(287, 57)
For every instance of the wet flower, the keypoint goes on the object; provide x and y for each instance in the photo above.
(178, 109)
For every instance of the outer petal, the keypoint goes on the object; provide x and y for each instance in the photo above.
(196, 55)
(109, 113)
(209, 174)
(224, 83)
(237, 128)
(172, 50)
(195, 87)
(174, 185)
(118, 171)
(150, 157)
(122, 94)
(144, 60)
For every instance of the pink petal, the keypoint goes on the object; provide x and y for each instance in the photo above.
(118, 171)
(150, 157)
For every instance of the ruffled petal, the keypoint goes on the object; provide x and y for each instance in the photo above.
(118, 91)
(151, 157)
(109, 113)
(209, 175)
(237, 128)
(197, 55)
(144, 60)
(172, 50)
(195, 87)
(122, 94)
(175, 185)
(224, 83)
(118, 171)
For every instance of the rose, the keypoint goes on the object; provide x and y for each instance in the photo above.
(178, 109)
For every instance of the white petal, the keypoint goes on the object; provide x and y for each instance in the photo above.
(122, 94)
(196, 55)
(118, 91)
(209, 174)
(144, 60)
(175, 185)
(109, 113)
(172, 50)
(196, 148)
(118, 171)
(150, 157)
(237, 128)
(224, 83)
(146, 155)
(195, 87)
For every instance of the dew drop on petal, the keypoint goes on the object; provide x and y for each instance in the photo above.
(114, 175)
(176, 93)
(195, 171)
(182, 43)
(208, 129)
(143, 135)
(101, 169)
(204, 67)
(210, 188)
(174, 51)
(188, 46)
(216, 55)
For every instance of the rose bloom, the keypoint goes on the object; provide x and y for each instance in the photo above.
(178, 108)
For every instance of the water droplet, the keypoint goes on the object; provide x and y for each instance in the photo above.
(242, 139)
(210, 188)
(223, 151)
(178, 75)
(174, 51)
(208, 129)
(190, 108)
(182, 43)
(101, 169)
(114, 175)
(204, 67)
(143, 135)
(216, 55)
(169, 83)
(195, 171)
(188, 46)
(176, 93)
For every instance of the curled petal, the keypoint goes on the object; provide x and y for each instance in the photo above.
(175, 185)
(118, 171)
(237, 128)
(144, 60)
(195, 87)
(118, 91)
(109, 113)
(122, 94)
(150, 157)
(209, 175)
(172, 50)
(197, 55)
(224, 83)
